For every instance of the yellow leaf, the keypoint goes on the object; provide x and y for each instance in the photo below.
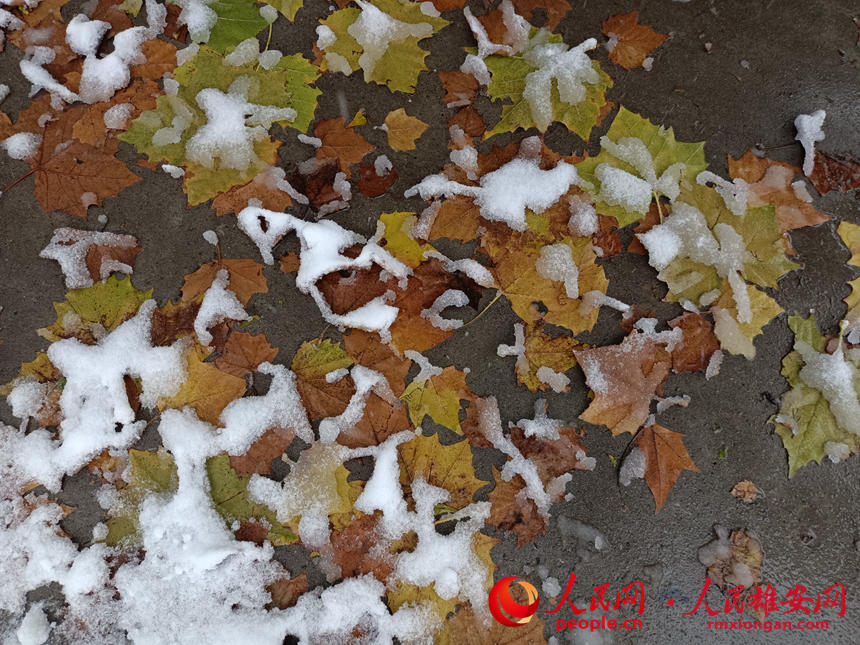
(403, 129)
(397, 233)
(206, 389)
(438, 397)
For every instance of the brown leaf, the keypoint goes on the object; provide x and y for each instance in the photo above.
(460, 88)
(624, 379)
(469, 120)
(258, 458)
(311, 363)
(552, 457)
(353, 550)
(607, 238)
(251, 531)
(345, 293)
(403, 130)
(770, 182)
(553, 10)
(90, 128)
(465, 628)
(237, 198)
(372, 185)
(109, 12)
(456, 219)
(745, 491)
(744, 550)
(834, 173)
(172, 321)
(285, 592)
(289, 263)
(160, 59)
(651, 219)
(447, 5)
(244, 352)
(665, 459)
(318, 184)
(635, 41)
(340, 142)
(381, 420)
(694, 351)
(246, 279)
(367, 349)
(510, 511)
(427, 282)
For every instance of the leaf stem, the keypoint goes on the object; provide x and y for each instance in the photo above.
(659, 210)
(484, 310)
(16, 182)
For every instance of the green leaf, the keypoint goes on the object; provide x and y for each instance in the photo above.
(660, 142)
(230, 496)
(508, 83)
(402, 60)
(287, 84)
(815, 424)
(238, 20)
(106, 304)
(151, 472)
(287, 7)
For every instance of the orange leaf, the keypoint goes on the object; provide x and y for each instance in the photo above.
(289, 263)
(246, 279)
(90, 127)
(258, 458)
(160, 59)
(665, 459)
(244, 352)
(380, 421)
(340, 142)
(237, 198)
(460, 88)
(634, 42)
(694, 351)
(624, 379)
(832, 173)
(770, 182)
(367, 349)
(512, 512)
(285, 593)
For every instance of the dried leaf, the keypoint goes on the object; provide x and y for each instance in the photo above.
(511, 511)
(244, 352)
(285, 592)
(694, 351)
(465, 628)
(371, 184)
(258, 458)
(665, 459)
(634, 42)
(834, 173)
(460, 88)
(403, 130)
(313, 360)
(246, 279)
(237, 198)
(745, 491)
(340, 142)
(289, 263)
(439, 398)
(367, 349)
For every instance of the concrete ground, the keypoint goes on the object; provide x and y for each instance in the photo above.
(770, 61)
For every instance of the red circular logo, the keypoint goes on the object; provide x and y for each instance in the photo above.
(508, 611)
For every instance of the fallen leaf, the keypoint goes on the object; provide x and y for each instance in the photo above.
(693, 352)
(633, 42)
(456, 218)
(624, 378)
(244, 352)
(246, 279)
(553, 11)
(381, 420)
(237, 198)
(772, 182)
(258, 458)
(834, 173)
(372, 184)
(206, 388)
(446, 466)
(460, 88)
(439, 398)
(469, 120)
(543, 350)
(403, 130)
(465, 628)
(340, 142)
(736, 561)
(285, 592)
(91, 129)
(367, 349)
(665, 459)
(289, 263)
(553, 457)
(312, 361)
(352, 549)
(160, 59)
(511, 511)
(745, 491)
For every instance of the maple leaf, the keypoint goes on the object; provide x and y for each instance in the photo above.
(553, 11)
(231, 499)
(340, 142)
(665, 459)
(160, 59)
(515, 257)
(665, 152)
(391, 57)
(438, 397)
(834, 173)
(405, 594)
(381, 419)
(465, 628)
(287, 84)
(311, 363)
(352, 549)
(246, 279)
(509, 78)
(238, 197)
(850, 235)
(206, 388)
(446, 466)
(91, 129)
(285, 593)
(457, 218)
(151, 472)
(403, 130)
(514, 512)
(371, 183)
(367, 349)
(88, 313)
(288, 8)
(809, 429)
(398, 240)
(244, 352)
(460, 88)
(632, 42)
(693, 352)
(543, 351)
(624, 379)
(772, 182)
(737, 337)
(258, 458)
(238, 20)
